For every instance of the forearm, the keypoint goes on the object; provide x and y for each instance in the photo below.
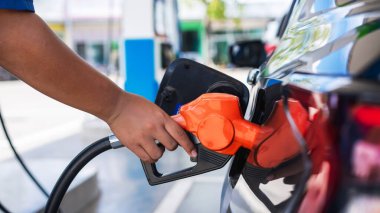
(31, 51)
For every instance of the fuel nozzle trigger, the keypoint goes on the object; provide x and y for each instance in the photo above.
(216, 121)
(206, 161)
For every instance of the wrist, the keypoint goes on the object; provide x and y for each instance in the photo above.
(116, 108)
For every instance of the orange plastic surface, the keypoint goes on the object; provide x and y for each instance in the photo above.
(282, 144)
(216, 120)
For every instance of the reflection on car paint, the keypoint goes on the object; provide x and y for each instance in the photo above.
(323, 42)
(318, 83)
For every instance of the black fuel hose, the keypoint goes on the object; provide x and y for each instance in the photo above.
(3, 208)
(75, 167)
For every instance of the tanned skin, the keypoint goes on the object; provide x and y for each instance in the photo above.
(33, 53)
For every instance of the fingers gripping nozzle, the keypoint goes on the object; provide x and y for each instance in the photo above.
(216, 120)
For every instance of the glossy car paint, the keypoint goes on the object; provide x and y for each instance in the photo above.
(329, 61)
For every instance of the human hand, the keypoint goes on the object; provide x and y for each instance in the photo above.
(137, 123)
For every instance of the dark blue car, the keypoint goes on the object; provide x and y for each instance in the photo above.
(327, 62)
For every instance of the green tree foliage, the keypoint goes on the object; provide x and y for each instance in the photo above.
(216, 10)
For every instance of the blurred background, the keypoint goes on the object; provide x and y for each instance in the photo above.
(131, 42)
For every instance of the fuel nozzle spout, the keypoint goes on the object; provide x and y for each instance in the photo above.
(217, 121)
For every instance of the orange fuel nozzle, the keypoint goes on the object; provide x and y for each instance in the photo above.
(216, 120)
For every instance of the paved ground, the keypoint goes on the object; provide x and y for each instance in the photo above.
(43, 128)
(34, 119)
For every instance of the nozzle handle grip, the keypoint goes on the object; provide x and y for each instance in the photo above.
(206, 161)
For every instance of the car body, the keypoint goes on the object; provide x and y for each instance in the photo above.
(327, 62)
